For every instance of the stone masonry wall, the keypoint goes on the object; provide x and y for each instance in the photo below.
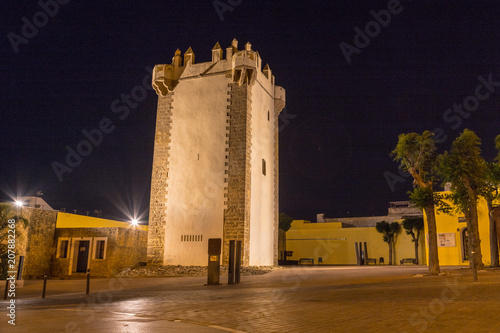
(237, 213)
(40, 242)
(159, 181)
(125, 248)
(128, 249)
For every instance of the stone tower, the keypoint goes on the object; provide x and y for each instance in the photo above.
(215, 163)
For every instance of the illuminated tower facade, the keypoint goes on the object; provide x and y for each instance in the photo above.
(215, 163)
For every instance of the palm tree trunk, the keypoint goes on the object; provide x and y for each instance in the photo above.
(471, 246)
(433, 248)
(416, 251)
(390, 253)
(493, 235)
(473, 231)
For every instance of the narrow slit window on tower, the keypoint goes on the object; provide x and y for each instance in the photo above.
(268, 116)
(264, 167)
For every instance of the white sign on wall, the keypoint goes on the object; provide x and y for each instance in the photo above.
(446, 240)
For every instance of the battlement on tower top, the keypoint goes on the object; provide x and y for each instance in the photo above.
(242, 66)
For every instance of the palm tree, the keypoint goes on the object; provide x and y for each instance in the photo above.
(465, 169)
(285, 222)
(491, 194)
(417, 155)
(390, 232)
(413, 226)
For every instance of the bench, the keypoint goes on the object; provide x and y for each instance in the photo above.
(370, 260)
(309, 261)
(408, 261)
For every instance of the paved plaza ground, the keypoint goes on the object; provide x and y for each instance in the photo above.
(299, 299)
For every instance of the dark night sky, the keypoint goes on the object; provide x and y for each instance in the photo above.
(341, 120)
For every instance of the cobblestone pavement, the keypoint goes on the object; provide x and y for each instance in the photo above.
(309, 299)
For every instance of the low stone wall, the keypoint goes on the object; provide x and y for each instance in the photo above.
(171, 271)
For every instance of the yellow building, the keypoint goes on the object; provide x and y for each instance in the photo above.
(331, 244)
(452, 236)
(62, 244)
(104, 246)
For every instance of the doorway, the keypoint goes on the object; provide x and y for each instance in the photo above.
(83, 256)
(80, 255)
(464, 237)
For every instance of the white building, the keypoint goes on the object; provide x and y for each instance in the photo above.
(397, 210)
(34, 202)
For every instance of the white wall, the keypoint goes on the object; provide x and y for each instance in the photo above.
(197, 208)
(262, 195)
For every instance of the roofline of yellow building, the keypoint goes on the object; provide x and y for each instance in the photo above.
(68, 220)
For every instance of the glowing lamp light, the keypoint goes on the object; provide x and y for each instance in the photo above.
(19, 203)
(135, 222)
